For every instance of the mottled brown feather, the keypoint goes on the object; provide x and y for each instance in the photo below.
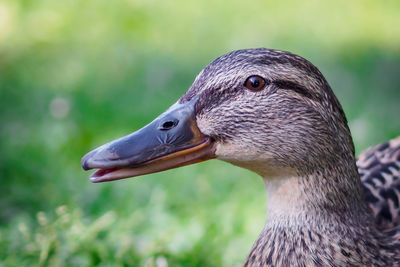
(297, 123)
(379, 169)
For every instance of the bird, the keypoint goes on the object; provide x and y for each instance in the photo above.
(273, 113)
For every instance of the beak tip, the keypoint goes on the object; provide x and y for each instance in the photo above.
(100, 157)
(93, 180)
(87, 159)
(84, 164)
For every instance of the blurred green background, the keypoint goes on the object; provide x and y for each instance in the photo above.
(75, 74)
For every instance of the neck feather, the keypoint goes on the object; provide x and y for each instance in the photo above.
(318, 219)
(333, 191)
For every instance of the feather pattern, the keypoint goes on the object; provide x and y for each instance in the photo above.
(379, 169)
(319, 211)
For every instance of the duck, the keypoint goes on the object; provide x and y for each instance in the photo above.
(273, 113)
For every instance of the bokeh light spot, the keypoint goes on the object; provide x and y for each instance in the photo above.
(59, 107)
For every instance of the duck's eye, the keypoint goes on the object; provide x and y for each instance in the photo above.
(255, 83)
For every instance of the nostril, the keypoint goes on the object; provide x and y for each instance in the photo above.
(167, 125)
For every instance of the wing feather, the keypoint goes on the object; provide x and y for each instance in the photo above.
(379, 169)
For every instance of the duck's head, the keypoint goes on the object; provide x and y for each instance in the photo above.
(266, 110)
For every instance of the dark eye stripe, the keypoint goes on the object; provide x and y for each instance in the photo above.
(288, 85)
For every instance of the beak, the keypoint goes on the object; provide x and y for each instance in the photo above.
(172, 140)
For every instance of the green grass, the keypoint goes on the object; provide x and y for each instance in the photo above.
(165, 219)
(76, 74)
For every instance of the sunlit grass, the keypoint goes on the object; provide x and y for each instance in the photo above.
(168, 224)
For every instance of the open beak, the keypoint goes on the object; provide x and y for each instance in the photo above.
(172, 140)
